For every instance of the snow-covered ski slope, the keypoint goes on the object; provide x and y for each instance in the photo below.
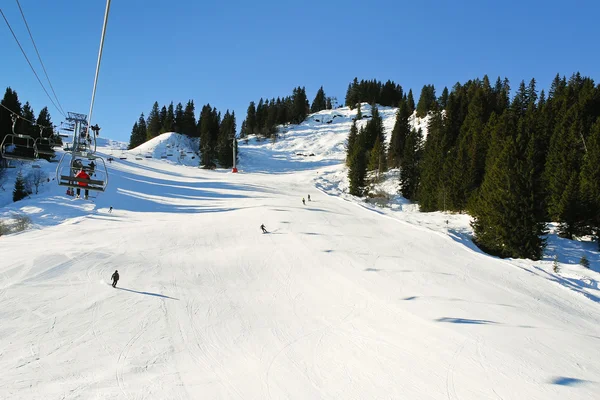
(338, 301)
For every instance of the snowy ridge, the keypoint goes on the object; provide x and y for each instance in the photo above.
(341, 299)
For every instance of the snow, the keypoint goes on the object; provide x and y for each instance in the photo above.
(343, 299)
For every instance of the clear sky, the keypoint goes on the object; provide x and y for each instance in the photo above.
(228, 53)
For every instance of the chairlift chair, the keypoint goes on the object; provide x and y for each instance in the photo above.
(70, 165)
(16, 146)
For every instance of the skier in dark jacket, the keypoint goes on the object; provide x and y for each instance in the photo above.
(264, 230)
(115, 278)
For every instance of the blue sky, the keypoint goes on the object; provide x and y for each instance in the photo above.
(228, 53)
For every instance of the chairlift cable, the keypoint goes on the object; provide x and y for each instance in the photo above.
(99, 59)
(39, 57)
(23, 118)
(29, 62)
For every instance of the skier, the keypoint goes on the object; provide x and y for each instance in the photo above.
(264, 230)
(309, 197)
(115, 278)
(83, 175)
(303, 202)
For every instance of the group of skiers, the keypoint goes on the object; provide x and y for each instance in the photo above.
(262, 226)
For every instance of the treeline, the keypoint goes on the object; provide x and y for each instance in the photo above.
(262, 119)
(23, 126)
(216, 133)
(374, 92)
(512, 164)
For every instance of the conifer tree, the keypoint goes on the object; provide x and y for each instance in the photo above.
(162, 116)
(509, 230)
(153, 125)
(399, 133)
(443, 100)
(178, 123)
(169, 121)
(19, 192)
(226, 140)
(319, 103)
(358, 112)
(590, 183)
(431, 191)
(411, 159)
(251, 119)
(299, 106)
(138, 133)
(427, 101)
(10, 101)
(410, 101)
(188, 123)
(24, 126)
(352, 137)
(357, 169)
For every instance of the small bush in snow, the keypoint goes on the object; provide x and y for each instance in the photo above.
(4, 228)
(555, 265)
(22, 222)
(584, 262)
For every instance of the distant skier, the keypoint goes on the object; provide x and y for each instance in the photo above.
(264, 230)
(303, 202)
(309, 197)
(115, 278)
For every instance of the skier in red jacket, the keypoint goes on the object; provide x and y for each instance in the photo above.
(83, 175)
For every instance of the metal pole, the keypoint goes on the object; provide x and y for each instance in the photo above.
(233, 145)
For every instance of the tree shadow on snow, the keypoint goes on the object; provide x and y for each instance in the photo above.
(147, 293)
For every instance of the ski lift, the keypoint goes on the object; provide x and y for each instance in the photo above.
(18, 147)
(93, 165)
(123, 156)
(44, 145)
(148, 155)
(139, 156)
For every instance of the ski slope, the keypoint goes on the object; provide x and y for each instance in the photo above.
(341, 300)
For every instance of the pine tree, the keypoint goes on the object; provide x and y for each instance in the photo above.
(178, 123)
(411, 159)
(153, 124)
(410, 101)
(10, 101)
(590, 183)
(427, 101)
(357, 169)
(352, 137)
(188, 123)
(251, 119)
(299, 106)
(169, 121)
(162, 117)
(443, 100)
(431, 191)
(226, 139)
(358, 112)
(132, 138)
(319, 103)
(509, 230)
(208, 130)
(399, 133)
(24, 126)
(19, 191)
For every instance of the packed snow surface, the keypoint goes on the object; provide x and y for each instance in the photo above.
(340, 300)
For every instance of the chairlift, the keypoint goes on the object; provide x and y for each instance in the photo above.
(148, 155)
(18, 147)
(139, 156)
(44, 145)
(123, 156)
(95, 167)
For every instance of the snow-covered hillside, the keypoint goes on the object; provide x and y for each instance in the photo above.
(342, 299)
